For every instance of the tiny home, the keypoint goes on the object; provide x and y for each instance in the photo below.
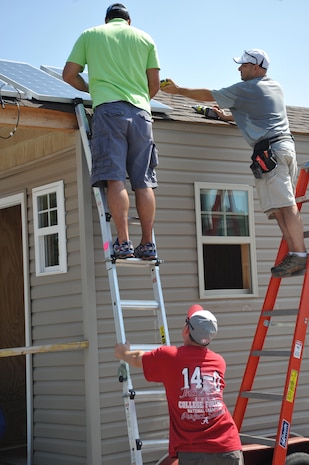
(60, 398)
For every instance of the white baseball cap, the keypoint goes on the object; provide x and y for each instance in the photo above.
(202, 325)
(254, 56)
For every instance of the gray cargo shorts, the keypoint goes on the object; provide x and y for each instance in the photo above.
(203, 458)
(122, 145)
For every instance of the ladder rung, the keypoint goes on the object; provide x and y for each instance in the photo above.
(271, 353)
(145, 347)
(155, 444)
(138, 262)
(139, 304)
(248, 439)
(282, 312)
(261, 395)
(146, 396)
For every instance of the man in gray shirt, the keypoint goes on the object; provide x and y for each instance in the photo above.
(258, 108)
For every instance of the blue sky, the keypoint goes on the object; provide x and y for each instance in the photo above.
(196, 40)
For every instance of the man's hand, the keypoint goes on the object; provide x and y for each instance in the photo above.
(221, 113)
(169, 86)
(121, 349)
(132, 357)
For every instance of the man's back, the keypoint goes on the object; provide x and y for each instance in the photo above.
(118, 56)
(193, 377)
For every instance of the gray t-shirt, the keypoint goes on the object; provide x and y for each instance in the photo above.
(257, 106)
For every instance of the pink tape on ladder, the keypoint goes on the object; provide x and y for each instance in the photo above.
(105, 246)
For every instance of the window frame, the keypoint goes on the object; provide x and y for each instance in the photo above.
(40, 233)
(247, 245)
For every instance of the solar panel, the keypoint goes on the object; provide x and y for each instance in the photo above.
(156, 107)
(37, 84)
(46, 84)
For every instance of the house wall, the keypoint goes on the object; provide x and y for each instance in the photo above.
(189, 153)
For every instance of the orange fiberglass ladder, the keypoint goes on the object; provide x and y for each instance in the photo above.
(121, 309)
(294, 354)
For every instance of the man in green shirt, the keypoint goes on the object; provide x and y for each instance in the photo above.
(123, 68)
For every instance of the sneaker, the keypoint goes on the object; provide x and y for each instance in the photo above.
(124, 250)
(290, 264)
(285, 259)
(146, 251)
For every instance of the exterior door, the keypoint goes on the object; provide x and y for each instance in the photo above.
(13, 404)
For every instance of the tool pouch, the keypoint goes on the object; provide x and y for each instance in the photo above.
(263, 160)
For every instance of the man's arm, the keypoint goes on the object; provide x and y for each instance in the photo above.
(170, 87)
(195, 94)
(132, 357)
(153, 81)
(71, 75)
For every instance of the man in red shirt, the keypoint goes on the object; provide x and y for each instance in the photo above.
(202, 429)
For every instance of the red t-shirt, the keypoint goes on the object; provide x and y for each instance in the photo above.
(193, 378)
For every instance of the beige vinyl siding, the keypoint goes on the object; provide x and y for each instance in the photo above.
(59, 378)
(205, 153)
(60, 412)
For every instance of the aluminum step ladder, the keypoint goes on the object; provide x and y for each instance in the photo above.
(130, 396)
(293, 355)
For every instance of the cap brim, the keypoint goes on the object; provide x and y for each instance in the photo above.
(238, 60)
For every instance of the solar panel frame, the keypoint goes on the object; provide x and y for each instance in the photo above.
(7, 90)
(56, 71)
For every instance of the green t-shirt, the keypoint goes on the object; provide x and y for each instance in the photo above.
(117, 56)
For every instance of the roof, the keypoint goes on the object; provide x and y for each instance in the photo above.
(183, 111)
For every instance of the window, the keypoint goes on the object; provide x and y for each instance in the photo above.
(225, 240)
(49, 229)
